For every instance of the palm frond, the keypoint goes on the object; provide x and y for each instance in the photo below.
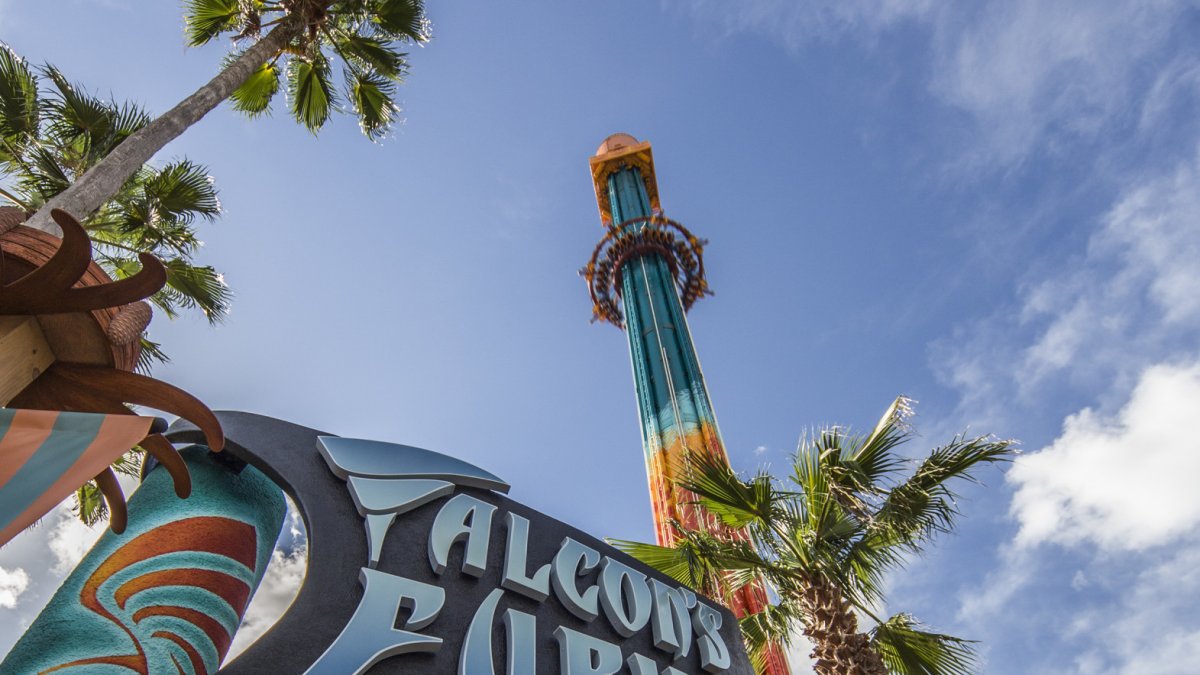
(401, 19)
(671, 561)
(254, 95)
(204, 20)
(874, 456)
(837, 534)
(373, 54)
(151, 354)
(371, 96)
(20, 113)
(720, 491)
(908, 650)
(183, 190)
(129, 464)
(923, 505)
(89, 505)
(199, 287)
(774, 625)
(311, 91)
(44, 176)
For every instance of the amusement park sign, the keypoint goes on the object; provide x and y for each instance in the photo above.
(418, 563)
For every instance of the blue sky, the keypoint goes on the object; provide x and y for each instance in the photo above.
(992, 207)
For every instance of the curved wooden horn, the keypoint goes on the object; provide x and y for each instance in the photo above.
(57, 393)
(35, 291)
(106, 480)
(145, 283)
(165, 453)
(50, 392)
(137, 389)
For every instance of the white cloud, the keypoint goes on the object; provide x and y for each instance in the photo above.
(1125, 482)
(70, 539)
(799, 656)
(279, 586)
(760, 451)
(12, 584)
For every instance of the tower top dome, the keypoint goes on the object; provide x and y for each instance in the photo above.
(615, 142)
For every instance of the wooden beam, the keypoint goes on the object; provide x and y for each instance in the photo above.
(24, 354)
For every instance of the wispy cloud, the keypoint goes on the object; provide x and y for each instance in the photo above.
(1114, 324)
(795, 24)
(1152, 629)
(1130, 300)
(1029, 76)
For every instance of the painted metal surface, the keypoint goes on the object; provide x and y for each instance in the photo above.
(676, 412)
(167, 595)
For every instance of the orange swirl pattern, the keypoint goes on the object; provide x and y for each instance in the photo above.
(220, 536)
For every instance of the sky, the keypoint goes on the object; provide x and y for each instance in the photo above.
(991, 207)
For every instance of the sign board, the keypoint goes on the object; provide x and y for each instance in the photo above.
(419, 563)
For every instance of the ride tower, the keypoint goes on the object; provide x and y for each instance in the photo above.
(644, 275)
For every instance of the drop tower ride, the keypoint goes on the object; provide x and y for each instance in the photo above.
(644, 275)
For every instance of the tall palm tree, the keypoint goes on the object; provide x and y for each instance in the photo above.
(52, 132)
(825, 538)
(295, 41)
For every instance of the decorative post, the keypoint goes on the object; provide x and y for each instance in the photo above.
(645, 273)
(168, 594)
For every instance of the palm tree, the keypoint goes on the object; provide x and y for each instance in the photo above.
(51, 132)
(825, 538)
(297, 41)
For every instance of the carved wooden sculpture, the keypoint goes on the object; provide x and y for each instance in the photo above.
(70, 337)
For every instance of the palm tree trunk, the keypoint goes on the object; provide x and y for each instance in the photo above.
(103, 180)
(832, 627)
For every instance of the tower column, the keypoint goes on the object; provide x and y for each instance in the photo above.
(644, 275)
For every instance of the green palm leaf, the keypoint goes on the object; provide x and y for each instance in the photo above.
(183, 190)
(828, 544)
(19, 110)
(371, 97)
(907, 650)
(736, 502)
(311, 91)
(198, 287)
(774, 625)
(400, 18)
(254, 96)
(373, 54)
(204, 20)
(671, 561)
(924, 505)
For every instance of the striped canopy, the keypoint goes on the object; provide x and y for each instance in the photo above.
(47, 455)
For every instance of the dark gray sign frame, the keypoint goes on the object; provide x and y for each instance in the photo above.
(337, 550)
